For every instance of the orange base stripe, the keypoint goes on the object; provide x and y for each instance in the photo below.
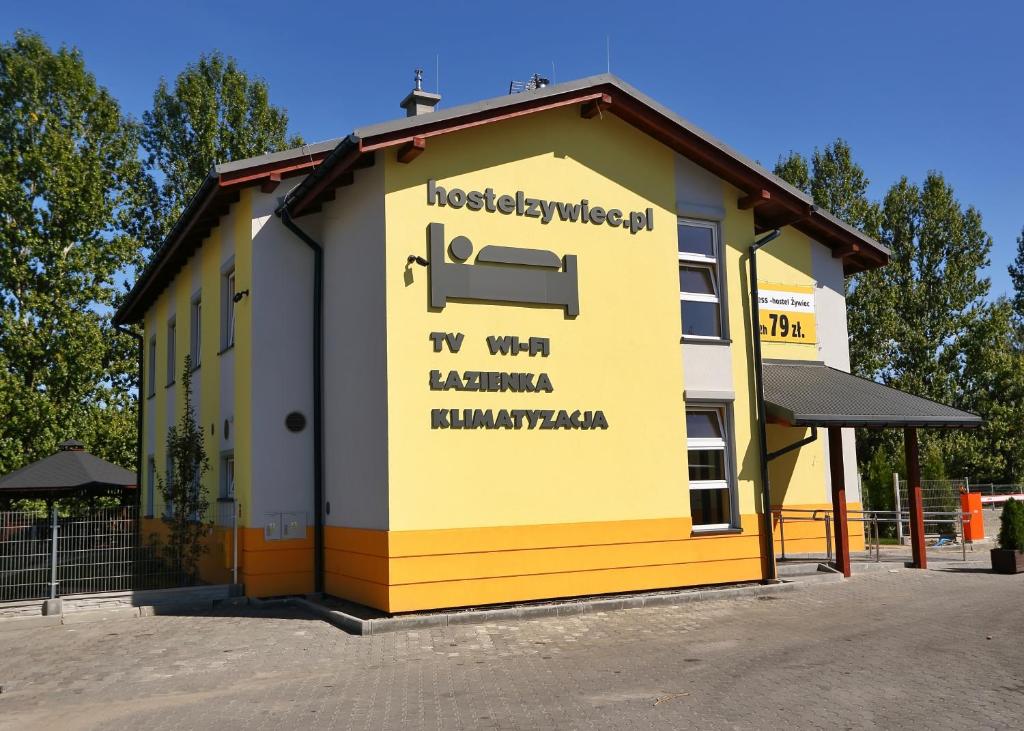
(401, 571)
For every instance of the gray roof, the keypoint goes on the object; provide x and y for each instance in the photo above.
(507, 100)
(69, 469)
(809, 393)
(411, 124)
(290, 154)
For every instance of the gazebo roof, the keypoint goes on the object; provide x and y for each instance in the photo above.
(69, 470)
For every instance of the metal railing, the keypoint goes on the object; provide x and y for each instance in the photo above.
(51, 555)
(872, 520)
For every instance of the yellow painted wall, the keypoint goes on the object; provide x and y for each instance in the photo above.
(737, 234)
(208, 258)
(159, 400)
(241, 219)
(621, 354)
(177, 299)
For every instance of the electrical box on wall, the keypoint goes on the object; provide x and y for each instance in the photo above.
(293, 526)
(272, 527)
(284, 526)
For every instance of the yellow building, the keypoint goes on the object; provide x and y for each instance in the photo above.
(535, 374)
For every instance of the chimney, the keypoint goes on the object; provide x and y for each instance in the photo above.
(417, 101)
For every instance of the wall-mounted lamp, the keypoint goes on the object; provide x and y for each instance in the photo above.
(413, 259)
(239, 295)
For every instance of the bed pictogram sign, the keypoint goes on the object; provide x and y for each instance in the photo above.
(500, 274)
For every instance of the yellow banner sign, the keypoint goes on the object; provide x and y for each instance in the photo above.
(787, 313)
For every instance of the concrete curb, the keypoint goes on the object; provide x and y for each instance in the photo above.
(80, 608)
(357, 626)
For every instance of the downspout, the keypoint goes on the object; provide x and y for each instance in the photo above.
(318, 400)
(762, 421)
(141, 341)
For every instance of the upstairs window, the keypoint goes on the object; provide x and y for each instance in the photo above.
(700, 299)
(171, 357)
(707, 454)
(151, 367)
(195, 331)
(227, 329)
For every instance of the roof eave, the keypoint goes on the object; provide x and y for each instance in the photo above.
(858, 251)
(218, 191)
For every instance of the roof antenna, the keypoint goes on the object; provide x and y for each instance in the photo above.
(554, 78)
(437, 73)
(608, 52)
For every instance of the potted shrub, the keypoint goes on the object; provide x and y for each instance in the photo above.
(1009, 557)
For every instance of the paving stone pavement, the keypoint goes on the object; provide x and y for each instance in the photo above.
(881, 650)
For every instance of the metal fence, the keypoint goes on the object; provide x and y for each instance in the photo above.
(938, 497)
(49, 555)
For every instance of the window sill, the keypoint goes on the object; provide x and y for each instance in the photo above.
(226, 349)
(150, 395)
(196, 368)
(700, 532)
(689, 339)
(169, 384)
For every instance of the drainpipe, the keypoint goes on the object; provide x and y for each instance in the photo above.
(141, 342)
(318, 400)
(762, 421)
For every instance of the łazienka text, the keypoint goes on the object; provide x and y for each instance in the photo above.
(520, 205)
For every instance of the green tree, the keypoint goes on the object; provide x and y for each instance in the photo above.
(183, 490)
(794, 170)
(214, 113)
(934, 277)
(1017, 278)
(69, 184)
(992, 382)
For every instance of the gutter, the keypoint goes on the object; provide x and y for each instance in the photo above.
(141, 342)
(771, 574)
(318, 392)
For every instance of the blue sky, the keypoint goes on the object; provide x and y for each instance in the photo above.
(913, 86)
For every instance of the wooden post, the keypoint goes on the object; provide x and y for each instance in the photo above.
(838, 473)
(920, 559)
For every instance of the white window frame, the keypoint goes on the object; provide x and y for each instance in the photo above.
(714, 263)
(150, 486)
(151, 367)
(172, 340)
(196, 330)
(228, 286)
(227, 481)
(169, 478)
(721, 412)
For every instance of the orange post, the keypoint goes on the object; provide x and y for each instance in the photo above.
(974, 529)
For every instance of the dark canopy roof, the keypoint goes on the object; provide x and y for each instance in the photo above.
(71, 469)
(809, 393)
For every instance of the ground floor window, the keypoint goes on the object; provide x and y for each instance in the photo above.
(150, 486)
(708, 446)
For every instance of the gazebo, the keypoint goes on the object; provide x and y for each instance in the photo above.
(70, 473)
